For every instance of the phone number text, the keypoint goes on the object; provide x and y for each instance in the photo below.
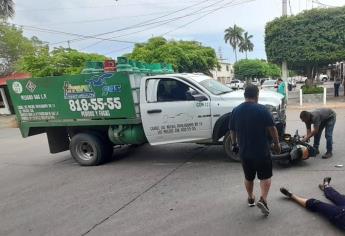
(95, 104)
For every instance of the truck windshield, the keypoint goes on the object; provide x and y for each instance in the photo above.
(215, 87)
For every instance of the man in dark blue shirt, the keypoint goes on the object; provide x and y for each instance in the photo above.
(250, 124)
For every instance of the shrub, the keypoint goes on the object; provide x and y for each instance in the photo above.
(312, 90)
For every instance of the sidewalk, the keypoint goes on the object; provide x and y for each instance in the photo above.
(332, 102)
(8, 121)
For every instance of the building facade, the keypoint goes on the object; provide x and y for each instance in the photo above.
(225, 73)
(6, 107)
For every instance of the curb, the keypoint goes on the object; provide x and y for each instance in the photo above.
(316, 105)
(8, 122)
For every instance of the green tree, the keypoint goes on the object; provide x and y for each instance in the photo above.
(272, 70)
(185, 56)
(6, 9)
(249, 69)
(32, 55)
(13, 45)
(246, 45)
(233, 35)
(60, 61)
(307, 41)
(38, 62)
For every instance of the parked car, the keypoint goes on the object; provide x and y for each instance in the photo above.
(300, 79)
(270, 85)
(236, 84)
(256, 82)
(323, 78)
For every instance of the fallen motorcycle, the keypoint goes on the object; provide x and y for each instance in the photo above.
(293, 149)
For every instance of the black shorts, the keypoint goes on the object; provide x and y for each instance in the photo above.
(260, 166)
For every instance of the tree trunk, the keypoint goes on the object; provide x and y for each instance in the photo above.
(316, 73)
(309, 73)
(235, 54)
(246, 55)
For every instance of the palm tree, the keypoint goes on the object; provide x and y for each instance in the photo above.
(246, 45)
(233, 35)
(6, 9)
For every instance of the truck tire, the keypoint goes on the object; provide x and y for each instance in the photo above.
(88, 149)
(227, 144)
(107, 145)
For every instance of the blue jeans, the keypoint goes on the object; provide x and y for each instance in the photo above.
(329, 126)
(334, 213)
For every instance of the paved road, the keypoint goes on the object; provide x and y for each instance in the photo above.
(181, 189)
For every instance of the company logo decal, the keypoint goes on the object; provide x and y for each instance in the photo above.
(17, 87)
(99, 80)
(30, 86)
(77, 91)
(111, 89)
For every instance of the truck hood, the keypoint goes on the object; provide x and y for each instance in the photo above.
(265, 97)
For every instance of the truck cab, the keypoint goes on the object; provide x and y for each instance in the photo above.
(195, 108)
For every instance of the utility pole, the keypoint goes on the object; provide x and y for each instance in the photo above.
(68, 42)
(284, 64)
(285, 71)
(284, 8)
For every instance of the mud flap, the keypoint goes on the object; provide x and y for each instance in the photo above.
(57, 139)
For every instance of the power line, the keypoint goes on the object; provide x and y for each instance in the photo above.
(99, 20)
(322, 4)
(144, 23)
(84, 7)
(229, 4)
(116, 50)
(195, 13)
(32, 28)
(164, 22)
(199, 18)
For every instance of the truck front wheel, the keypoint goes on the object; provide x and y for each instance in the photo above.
(87, 149)
(227, 144)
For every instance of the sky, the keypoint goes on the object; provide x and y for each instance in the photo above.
(126, 22)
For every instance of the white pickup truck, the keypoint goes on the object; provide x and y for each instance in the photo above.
(201, 114)
(89, 114)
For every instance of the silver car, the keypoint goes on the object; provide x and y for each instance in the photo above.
(270, 85)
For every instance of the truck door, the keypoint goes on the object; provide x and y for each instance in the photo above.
(172, 110)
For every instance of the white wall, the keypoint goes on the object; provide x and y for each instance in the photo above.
(4, 110)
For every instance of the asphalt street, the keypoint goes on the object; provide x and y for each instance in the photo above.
(180, 189)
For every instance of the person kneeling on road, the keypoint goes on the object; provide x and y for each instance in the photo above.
(321, 118)
(248, 125)
(334, 213)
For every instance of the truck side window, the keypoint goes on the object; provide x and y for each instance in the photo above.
(174, 90)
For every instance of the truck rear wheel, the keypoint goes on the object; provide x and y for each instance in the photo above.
(88, 149)
(227, 144)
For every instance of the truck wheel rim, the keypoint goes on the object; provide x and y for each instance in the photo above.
(85, 151)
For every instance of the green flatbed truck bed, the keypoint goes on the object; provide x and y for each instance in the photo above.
(78, 100)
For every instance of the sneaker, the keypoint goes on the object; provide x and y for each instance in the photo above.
(286, 192)
(263, 206)
(327, 180)
(317, 152)
(251, 202)
(327, 155)
(325, 183)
